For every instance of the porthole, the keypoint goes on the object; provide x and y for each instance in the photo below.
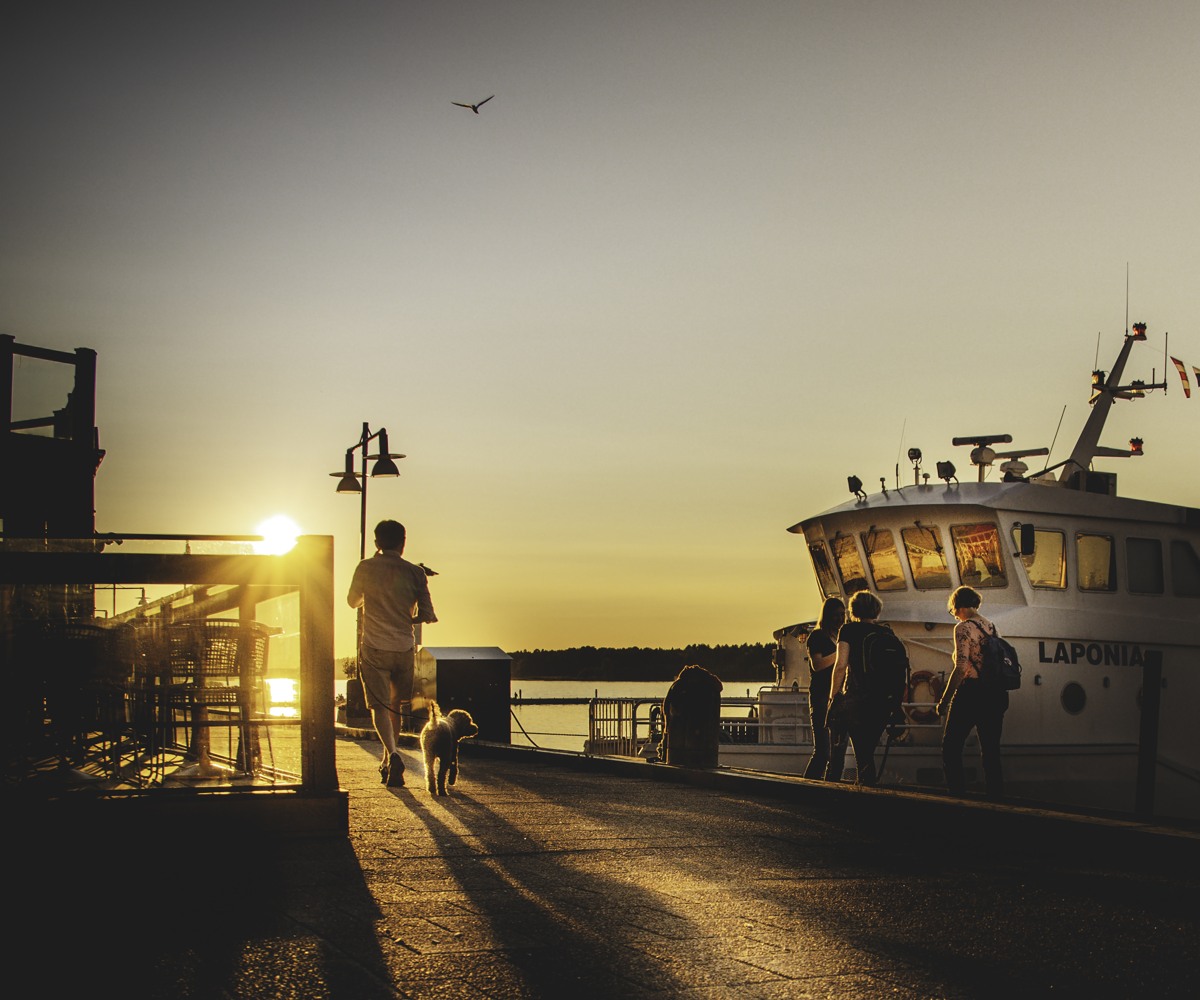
(1073, 698)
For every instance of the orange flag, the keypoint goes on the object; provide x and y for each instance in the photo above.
(1187, 386)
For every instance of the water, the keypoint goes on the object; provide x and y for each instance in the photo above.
(565, 727)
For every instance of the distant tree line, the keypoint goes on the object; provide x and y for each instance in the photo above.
(748, 662)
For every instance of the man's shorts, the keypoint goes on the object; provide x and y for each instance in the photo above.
(385, 670)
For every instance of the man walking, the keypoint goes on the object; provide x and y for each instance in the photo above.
(394, 596)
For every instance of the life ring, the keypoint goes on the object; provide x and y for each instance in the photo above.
(656, 723)
(927, 680)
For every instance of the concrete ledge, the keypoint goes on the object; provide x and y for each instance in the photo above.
(1028, 827)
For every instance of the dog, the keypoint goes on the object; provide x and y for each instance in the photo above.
(439, 744)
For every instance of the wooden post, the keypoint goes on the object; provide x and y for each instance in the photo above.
(313, 559)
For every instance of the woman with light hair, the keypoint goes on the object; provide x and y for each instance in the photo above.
(971, 702)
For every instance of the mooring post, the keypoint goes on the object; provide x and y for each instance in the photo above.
(1148, 734)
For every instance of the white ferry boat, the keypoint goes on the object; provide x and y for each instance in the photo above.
(1099, 594)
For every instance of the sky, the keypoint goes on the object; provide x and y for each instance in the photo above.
(694, 264)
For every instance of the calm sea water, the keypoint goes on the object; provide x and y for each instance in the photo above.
(565, 727)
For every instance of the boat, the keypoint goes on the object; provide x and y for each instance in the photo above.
(1099, 594)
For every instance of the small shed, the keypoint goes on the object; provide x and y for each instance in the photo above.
(475, 678)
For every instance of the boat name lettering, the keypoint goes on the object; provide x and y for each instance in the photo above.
(1108, 654)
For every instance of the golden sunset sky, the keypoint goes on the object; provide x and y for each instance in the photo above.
(693, 265)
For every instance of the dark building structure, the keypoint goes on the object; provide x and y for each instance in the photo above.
(49, 461)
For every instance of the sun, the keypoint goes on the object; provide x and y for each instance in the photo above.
(279, 535)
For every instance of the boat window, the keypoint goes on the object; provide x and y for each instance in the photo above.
(1047, 567)
(977, 552)
(926, 558)
(884, 559)
(1144, 565)
(845, 554)
(824, 570)
(1097, 559)
(1185, 569)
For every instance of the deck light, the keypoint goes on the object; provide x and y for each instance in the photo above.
(1135, 446)
(855, 485)
(1139, 331)
(946, 472)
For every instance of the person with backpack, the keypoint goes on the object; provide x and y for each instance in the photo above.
(969, 701)
(822, 651)
(870, 677)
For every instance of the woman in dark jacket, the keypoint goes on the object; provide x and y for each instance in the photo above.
(867, 715)
(822, 651)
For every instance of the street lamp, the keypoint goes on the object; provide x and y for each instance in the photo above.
(350, 481)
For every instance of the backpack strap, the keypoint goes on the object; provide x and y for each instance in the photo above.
(993, 633)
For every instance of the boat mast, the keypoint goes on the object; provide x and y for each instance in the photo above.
(1105, 395)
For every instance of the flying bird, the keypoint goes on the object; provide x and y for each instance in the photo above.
(473, 107)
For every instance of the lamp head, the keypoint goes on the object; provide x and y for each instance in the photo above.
(384, 467)
(349, 482)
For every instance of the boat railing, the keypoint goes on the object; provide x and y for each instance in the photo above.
(633, 727)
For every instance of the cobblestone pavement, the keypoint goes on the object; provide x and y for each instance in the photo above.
(548, 877)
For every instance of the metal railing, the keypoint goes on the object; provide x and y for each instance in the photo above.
(632, 727)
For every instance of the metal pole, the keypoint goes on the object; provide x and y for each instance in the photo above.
(1147, 763)
(362, 522)
(362, 543)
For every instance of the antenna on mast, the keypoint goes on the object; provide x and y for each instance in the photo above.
(1166, 341)
(1057, 429)
(1126, 298)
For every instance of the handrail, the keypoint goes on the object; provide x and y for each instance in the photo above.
(615, 727)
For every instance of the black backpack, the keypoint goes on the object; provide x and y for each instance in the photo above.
(1000, 667)
(885, 665)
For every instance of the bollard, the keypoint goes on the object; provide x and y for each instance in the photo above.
(692, 714)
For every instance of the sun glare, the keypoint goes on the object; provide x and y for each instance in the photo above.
(279, 535)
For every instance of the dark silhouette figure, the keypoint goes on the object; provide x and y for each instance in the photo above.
(692, 712)
(473, 107)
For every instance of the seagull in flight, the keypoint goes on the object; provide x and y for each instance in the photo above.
(473, 107)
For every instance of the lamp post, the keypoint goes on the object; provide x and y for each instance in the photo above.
(350, 481)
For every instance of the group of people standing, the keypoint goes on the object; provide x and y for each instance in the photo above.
(844, 707)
